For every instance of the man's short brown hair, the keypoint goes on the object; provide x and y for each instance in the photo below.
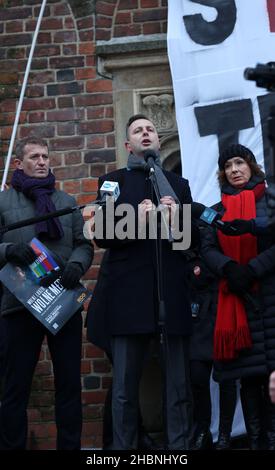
(134, 118)
(21, 144)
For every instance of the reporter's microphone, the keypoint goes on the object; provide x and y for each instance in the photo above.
(108, 189)
(208, 215)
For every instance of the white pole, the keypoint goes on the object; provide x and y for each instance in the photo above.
(25, 81)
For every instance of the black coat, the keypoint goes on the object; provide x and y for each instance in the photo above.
(96, 323)
(260, 359)
(203, 295)
(72, 247)
(130, 290)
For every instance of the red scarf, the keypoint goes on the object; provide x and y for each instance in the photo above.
(231, 330)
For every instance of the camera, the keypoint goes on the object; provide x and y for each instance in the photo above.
(263, 75)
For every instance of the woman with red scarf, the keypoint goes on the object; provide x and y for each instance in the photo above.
(244, 337)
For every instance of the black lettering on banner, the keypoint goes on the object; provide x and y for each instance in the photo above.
(209, 33)
(225, 120)
(265, 103)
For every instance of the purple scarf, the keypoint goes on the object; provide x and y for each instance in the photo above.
(40, 190)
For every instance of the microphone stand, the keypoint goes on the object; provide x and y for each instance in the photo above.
(164, 344)
(161, 302)
(50, 215)
(41, 218)
(162, 313)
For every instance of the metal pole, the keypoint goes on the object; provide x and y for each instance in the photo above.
(25, 81)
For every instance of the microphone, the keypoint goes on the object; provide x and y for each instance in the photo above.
(209, 216)
(108, 188)
(150, 156)
(160, 184)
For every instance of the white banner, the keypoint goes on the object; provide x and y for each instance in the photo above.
(210, 43)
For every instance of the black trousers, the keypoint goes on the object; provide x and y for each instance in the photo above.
(128, 354)
(200, 381)
(24, 337)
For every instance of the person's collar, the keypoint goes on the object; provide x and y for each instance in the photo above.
(138, 163)
(254, 180)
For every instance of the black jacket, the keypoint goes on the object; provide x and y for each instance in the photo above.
(72, 247)
(260, 359)
(130, 303)
(203, 295)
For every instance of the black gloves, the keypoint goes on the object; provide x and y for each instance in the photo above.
(239, 277)
(20, 253)
(71, 275)
(47, 280)
(241, 227)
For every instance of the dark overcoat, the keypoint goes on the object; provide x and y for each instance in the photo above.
(203, 294)
(260, 359)
(130, 303)
(72, 247)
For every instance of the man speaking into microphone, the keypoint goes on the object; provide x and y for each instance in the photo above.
(131, 294)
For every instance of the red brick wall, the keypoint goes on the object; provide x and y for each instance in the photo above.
(119, 18)
(69, 104)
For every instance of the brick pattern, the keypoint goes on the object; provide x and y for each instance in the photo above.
(70, 105)
(120, 18)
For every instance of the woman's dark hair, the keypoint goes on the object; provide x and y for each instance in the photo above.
(255, 168)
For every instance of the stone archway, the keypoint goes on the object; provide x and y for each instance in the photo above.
(170, 153)
(173, 163)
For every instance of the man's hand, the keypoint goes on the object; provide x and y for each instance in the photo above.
(144, 208)
(71, 275)
(169, 205)
(168, 201)
(20, 253)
